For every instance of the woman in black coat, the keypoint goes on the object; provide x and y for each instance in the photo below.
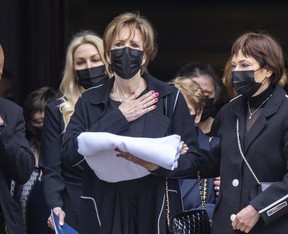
(136, 104)
(84, 69)
(254, 124)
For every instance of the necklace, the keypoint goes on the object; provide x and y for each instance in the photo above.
(258, 108)
(119, 96)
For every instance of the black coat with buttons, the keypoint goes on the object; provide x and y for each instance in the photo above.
(98, 197)
(266, 150)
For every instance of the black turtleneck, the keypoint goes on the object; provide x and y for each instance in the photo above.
(256, 101)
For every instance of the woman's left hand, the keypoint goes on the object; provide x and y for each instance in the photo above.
(246, 219)
(149, 166)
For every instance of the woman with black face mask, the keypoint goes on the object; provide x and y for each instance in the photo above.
(254, 142)
(85, 68)
(213, 89)
(133, 103)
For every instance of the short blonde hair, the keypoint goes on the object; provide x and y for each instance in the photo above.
(192, 92)
(132, 21)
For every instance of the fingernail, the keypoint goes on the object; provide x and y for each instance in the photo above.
(156, 94)
(152, 91)
(156, 99)
(154, 107)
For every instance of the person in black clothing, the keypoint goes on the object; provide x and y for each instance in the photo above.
(16, 161)
(132, 103)
(84, 69)
(254, 141)
(34, 208)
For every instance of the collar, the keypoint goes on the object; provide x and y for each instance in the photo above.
(238, 105)
(101, 94)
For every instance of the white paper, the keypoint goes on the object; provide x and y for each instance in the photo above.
(98, 150)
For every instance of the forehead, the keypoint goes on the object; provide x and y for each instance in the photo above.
(84, 50)
(128, 33)
(240, 57)
(205, 82)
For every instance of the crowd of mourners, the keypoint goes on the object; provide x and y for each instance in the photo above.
(233, 131)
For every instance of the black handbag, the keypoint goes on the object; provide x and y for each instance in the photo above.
(192, 221)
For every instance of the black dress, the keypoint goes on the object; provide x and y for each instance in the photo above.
(127, 193)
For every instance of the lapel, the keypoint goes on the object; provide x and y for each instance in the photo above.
(238, 107)
(156, 122)
(270, 108)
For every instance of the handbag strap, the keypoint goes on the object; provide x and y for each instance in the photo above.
(166, 180)
(167, 202)
(202, 189)
(241, 152)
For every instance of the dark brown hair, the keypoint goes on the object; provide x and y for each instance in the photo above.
(265, 49)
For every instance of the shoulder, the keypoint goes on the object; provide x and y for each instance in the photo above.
(97, 94)
(9, 106)
(55, 103)
(158, 85)
(235, 99)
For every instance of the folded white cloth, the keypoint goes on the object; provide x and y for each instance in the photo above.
(98, 149)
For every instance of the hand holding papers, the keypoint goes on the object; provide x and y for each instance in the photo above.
(64, 229)
(98, 150)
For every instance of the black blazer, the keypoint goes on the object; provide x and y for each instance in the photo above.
(266, 149)
(61, 184)
(16, 162)
(90, 115)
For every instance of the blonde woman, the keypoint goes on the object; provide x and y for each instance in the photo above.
(84, 69)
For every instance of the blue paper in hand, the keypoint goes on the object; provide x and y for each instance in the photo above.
(65, 229)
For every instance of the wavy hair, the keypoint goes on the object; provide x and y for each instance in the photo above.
(191, 90)
(69, 88)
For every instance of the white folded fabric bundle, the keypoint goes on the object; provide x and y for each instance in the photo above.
(98, 150)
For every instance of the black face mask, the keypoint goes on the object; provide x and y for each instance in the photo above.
(244, 82)
(34, 133)
(91, 77)
(126, 62)
(38, 132)
(209, 109)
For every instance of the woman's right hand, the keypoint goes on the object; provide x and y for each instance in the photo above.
(61, 215)
(134, 107)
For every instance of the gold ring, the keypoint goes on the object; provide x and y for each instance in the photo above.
(144, 106)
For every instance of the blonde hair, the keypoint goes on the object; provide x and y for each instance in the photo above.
(71, 90)
(133, 21)
(192, 92)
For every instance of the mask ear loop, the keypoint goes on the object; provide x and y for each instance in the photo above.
(264, 78)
